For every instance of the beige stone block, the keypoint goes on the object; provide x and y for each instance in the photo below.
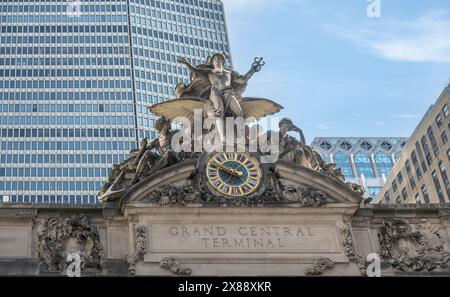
(364, 241)
(118, 243)
(15, 242)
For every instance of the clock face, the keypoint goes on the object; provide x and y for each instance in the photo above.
(233, 174)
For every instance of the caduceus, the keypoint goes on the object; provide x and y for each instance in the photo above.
(258, 64)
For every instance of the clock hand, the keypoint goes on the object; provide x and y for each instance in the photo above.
(229, 170)
(231, 176)
(241, 179)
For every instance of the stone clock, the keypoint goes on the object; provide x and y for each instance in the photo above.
(233, 174)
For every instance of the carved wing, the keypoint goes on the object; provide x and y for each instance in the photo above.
(259, 107)
(179, 108)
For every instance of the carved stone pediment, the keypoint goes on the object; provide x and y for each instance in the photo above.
(412, 247)
(58, 238)
(182, 185)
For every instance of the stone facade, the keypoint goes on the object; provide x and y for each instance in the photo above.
(233, 213)
(139, 235)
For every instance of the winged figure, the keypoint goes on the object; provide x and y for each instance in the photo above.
(217, 91)
(184, 108)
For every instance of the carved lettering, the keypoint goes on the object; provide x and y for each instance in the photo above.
(235, 236)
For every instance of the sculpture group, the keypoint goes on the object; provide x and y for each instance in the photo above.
(217, 92)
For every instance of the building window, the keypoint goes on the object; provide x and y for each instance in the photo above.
(400, 177)
(420, 154)
(408, 167)
(445, 110)
(363, 165)
(325, 145)
(394, 186)
(417, 199)
(426, 196)
(433, 141)
(438, 121)
(325, 158)
(444, 137)
(416, 165)
(404, 194)
(444, 177)
(384, 164)
(426, 151)
(346, 146)
(438, 187)
(398, 200)
(365, 145)
(387, 197)
(448, 154)
(386, 145)
(343, 161)
(412, 182)
(373, 191)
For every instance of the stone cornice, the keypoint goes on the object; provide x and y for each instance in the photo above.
(433, 210)
(147, 209)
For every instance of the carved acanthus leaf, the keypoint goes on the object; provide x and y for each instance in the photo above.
(173, 265)
(322, 265)
(306, 196)
(350, 251)
(140, 249)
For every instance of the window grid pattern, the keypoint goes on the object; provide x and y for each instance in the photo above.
(75, 86)
(363, 165)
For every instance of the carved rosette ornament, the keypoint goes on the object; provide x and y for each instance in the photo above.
(321, 266)
(350, 252)
(173, 265)
(57, 239)
(412, 247)
(140, 249)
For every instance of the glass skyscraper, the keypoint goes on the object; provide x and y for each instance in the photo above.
(76, 78)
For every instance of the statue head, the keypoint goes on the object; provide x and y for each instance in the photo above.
(218, 60)
(285, 125)
(179, 89)
(143, 143)
(163, 124)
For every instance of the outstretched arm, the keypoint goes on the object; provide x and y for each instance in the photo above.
(200, 70)
(256, 67)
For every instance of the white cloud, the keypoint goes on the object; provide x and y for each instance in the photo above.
(423, 40)
(430, 44)
(406, 116)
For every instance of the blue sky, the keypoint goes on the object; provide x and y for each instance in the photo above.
(338, 72)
